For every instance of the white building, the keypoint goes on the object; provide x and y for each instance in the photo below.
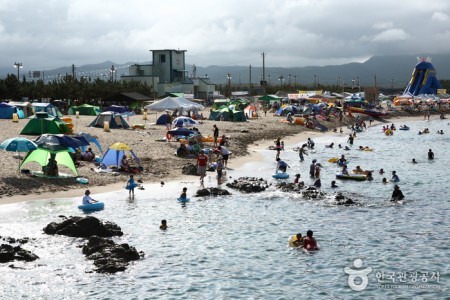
(168, 74)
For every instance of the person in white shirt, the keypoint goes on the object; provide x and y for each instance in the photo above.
(87, 199)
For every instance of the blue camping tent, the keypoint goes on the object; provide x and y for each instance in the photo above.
(7, 111)
(113, 157)
(48, 108)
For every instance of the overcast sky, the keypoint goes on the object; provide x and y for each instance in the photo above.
(53, 33)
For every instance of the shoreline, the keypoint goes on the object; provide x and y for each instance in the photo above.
(252, 156)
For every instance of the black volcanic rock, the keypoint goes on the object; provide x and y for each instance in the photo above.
(9, 253)
(248, 184)
(212, 192)
(108, 256)
(83, 227)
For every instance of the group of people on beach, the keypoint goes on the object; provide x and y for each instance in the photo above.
(222, 155)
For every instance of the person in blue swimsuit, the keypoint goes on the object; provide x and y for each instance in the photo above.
(131, 184)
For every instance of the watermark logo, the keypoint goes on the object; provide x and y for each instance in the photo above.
(357, 278)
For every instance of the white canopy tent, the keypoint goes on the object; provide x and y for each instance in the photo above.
(171, 103)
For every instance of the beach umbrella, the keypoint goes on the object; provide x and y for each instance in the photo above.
(184, 122)
(18, 144)
(61, 139)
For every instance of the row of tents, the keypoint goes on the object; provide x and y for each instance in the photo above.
(42, 123)
(58, 147)
(28, 109)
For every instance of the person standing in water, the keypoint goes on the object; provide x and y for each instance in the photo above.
(131, 184)
(430, 154)
(309, 243)
(302, 151)
(397, 194)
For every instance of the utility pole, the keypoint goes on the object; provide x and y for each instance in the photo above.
(73, 71)
(264, 73)
(375, 80)
(250, 81)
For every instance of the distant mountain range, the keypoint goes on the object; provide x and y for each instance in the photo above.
(388, 70)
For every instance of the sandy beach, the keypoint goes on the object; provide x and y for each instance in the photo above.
(157, 157)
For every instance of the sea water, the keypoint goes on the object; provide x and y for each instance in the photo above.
(236, 246)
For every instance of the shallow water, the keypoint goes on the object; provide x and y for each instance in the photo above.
(236, 246)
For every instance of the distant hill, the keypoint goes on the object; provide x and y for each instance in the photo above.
(386, 68)
(389, 70)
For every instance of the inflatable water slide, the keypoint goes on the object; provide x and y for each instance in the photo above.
(423, 79)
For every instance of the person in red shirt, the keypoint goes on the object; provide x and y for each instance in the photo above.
(309, 243)
(202, 162)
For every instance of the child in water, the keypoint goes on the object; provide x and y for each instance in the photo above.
(131, 184)
(163, 225)
(183, 193)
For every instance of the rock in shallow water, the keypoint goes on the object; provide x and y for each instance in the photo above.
(108, 256)
(212, 192)
(248, 184)
(83, 227)
(9, 253)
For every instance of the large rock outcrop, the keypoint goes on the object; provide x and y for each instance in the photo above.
(83, 227)
(248, 184)
(108, 256)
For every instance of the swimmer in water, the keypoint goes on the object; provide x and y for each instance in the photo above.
(333, 184)
(414, 161)
(381, 171)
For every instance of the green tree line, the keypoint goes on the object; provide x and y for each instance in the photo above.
(67, 87)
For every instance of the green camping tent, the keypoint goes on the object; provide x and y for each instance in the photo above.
(85, 110)
(271, 98)
(225, 114)
(41, 156)
(238, 116)
(220, 114)
(40, 124)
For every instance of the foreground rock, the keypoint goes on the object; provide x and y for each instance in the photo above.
(12, 253)
(108, 256)
(248, 185)
(212, 192)
(83, 227)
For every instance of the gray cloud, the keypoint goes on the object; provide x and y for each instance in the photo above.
(47, 34)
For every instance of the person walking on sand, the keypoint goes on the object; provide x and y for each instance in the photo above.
(215, 135)
(131, 184)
